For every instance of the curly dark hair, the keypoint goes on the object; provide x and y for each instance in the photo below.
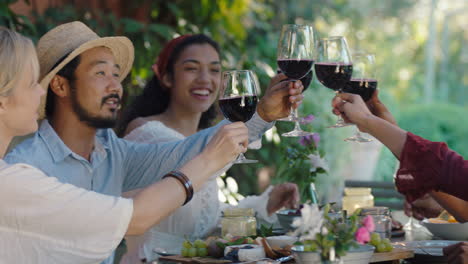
(155, 98)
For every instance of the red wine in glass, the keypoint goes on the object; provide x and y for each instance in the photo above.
(306, 80)
(239, 108)
(295, 69)
(363, 87)
(333, 75)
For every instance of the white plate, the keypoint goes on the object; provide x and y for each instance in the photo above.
(426, 247)
(164, 252)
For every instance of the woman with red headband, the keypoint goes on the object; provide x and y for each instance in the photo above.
(176, 103)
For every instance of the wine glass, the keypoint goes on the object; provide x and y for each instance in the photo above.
(238, 99)
(334, 67)
(295, 60)
(363, 82)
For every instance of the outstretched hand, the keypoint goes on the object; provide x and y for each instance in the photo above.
(227, 144)
(352, 108)
(425, 207)
(280, 96)
(283, 195)
(357, 111)
(457, 253)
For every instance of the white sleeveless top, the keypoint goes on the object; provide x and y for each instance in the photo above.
(201, 215)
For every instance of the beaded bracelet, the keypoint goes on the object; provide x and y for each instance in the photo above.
(185, 181)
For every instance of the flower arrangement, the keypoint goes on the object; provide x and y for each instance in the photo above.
(331, 236)
(304, 162)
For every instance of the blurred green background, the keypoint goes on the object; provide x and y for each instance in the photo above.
(420, 46)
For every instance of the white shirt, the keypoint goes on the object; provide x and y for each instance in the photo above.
(45, 221)
(201, 215)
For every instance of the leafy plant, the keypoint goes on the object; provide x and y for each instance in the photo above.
(331, 236)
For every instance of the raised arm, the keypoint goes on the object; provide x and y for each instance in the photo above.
(157, 201)
(146, 163)
(424, 165)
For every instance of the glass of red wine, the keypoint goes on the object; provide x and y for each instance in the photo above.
(295, 60)
(334, 67)
(363, 82)
(238, 99)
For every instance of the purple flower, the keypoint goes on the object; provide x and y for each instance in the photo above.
(308, 119)
(309, 140)
(316, 138)
(306, 140)
(362, 235)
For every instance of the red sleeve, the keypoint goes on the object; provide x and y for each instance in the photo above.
(426, 166)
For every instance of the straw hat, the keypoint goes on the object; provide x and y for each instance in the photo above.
(75, 38)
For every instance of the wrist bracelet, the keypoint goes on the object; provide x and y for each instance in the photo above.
(185, 181)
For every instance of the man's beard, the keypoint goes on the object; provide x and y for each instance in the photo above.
(88, 118)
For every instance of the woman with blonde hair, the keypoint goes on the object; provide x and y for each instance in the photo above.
(43, 220)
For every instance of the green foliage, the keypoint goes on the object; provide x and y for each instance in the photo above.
(438, 122)
(248, 31)
(14, 21)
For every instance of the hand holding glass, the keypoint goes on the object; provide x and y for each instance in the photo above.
(295, 60)
(238, 99)
(333, 66)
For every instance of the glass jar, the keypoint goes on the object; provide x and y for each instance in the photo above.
(357, 198)
(382, 219)
(239, 222)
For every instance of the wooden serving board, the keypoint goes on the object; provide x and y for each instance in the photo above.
(395, 254)
(201, 260)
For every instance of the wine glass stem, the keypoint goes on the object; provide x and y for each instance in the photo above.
(294, 114)
(358, 133)
(241, 157)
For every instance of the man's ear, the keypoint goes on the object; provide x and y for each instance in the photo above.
(167, 81)
(60, 86)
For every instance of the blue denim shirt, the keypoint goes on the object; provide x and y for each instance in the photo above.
(115, 165)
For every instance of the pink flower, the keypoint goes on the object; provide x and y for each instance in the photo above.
(362, 235)
(368, 223)
(308, 119)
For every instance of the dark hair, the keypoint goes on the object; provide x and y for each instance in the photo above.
(67, 72)
(155, 97)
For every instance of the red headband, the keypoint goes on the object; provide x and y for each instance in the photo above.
(159, 68)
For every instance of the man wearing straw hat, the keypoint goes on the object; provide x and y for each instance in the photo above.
(82, 73)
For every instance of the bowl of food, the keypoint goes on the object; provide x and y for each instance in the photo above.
(286, 218)
(281, 241)
(447, 229)
(360, 255)
(305, 257)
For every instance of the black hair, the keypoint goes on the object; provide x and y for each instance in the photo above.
(67, 72)
(155, 97)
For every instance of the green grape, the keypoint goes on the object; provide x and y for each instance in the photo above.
(381, 247)
(184, 252)
(388, 247)
(202, 252)
(192, 252)
(199, 244)
(186, 244)
(375, 239)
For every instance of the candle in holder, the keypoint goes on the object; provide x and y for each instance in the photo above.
(357, 198)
